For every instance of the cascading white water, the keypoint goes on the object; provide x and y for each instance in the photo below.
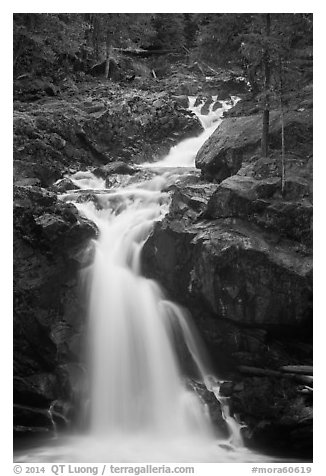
(139, 404)
(136, 379)
(184, 154)
(137, 382)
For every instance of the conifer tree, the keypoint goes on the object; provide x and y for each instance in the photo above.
(169, 31)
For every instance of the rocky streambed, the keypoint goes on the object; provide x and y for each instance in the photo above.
(233, 250)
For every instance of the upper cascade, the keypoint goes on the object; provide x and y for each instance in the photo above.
(184, 153)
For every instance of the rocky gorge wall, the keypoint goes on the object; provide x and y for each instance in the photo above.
(237, 253)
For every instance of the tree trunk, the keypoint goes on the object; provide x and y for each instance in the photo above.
(283, 150)
(282, 129)
(298, 369)
(258, 372)
(264, 138)
(252, 78)
(109, 49)
(20, 50)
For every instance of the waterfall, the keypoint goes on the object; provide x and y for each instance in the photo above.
(137, 383)
(140, 406)
(184, 154)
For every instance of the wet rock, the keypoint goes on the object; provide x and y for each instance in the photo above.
(29, 420)
(23, 182)
(234, 197)
(32, 173)
(37, 389)
(199, 100)
(41, 147)
(49, 239)
(292, 220)
(217, 105)
(214, 407)
(188, 88)
(226, 389)
(182, 101)
(63, 185)
(28, 89)
(238, 138)
(191, 199)
(260, 202)
(26, 197)
(238, 387)
(277, 417)
(209, 259)
(205, 109)
(114, 168)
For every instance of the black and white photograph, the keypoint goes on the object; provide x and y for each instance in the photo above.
(162, 240)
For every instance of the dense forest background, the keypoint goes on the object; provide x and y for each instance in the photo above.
(53, 44)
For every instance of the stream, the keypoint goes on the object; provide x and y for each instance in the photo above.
(138, 402)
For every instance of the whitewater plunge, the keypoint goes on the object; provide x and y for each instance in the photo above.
(142, 347)
(184, 154)
(137, 381)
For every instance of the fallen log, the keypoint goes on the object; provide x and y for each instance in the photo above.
(258, 372)
(143, 53)
(298, 369)
(255, 371)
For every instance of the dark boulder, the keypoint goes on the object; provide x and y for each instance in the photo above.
(260, 202)
(233, 269)
(217, 105)
(199, 100)
(182, 101)
(238, 138)
(32, 89)
(277, 416)
(189, 88)
(50, 239)
(63, 185)
(118, 167)
(205, 109)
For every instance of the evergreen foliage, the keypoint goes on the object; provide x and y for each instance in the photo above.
(220, 36)
(43, 40)
(169, 31)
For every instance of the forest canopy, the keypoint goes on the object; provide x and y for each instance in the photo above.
(46, 41)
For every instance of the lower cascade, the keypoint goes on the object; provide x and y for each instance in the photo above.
(142, 348)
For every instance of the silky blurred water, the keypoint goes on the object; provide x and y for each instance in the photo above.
(139, 405)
